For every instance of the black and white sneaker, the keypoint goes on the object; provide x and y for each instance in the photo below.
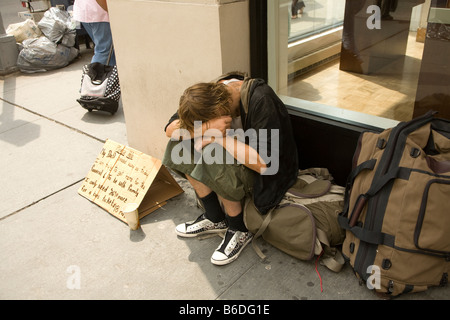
(230, 248)
(199, 227)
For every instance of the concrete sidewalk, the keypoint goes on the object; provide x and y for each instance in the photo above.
(55, 244)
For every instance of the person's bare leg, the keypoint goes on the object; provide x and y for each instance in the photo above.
(209, 199)
(212, 220)
(232, 208)
(236, 236)
(201, 189)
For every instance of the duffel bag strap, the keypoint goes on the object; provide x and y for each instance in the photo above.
(369, 236)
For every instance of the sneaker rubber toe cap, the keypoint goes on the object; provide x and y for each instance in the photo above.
(181, 229)
(219, 258)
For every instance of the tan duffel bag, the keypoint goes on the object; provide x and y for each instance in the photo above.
(396, 212)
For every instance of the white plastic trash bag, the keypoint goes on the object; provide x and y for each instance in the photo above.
(68, 38)
(24, 30)
(56, 23)
(42, 54)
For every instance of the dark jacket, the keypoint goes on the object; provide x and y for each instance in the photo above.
(262, 109)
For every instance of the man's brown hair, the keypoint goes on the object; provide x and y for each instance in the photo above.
(203, 102)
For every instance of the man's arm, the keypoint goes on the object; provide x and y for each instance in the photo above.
(172, 130)
(242, 152)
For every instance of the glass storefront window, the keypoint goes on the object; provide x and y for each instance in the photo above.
(312, 17)
(358, 58)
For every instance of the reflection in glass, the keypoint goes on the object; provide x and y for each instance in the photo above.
(378, 68)
(314, 16)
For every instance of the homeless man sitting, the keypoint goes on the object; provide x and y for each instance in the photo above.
(231, 139)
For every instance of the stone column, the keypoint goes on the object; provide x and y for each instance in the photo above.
(164, 46)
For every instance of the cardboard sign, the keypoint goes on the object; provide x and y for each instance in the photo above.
(121, 175)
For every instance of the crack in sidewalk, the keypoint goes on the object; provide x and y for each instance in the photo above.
(37, 201)
(53, 120)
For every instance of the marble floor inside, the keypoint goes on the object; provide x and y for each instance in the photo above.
(390, 93)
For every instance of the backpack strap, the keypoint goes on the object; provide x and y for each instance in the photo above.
(260, 231)
(332, 258)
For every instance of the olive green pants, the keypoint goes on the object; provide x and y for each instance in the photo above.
(213, 167)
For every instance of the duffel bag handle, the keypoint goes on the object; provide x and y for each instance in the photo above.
(377, 186)
(367, 165)
(359, 205)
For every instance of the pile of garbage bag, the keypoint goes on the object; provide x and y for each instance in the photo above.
(48, 45)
